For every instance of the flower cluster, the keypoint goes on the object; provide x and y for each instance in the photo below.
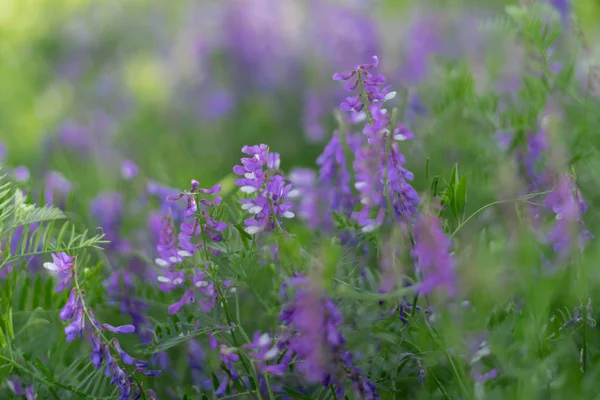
(314, 339)
(334, 175)
(268, 188)
(198, 221)
(77, 313)
(381, 179)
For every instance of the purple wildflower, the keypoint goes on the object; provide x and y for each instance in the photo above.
(107, 208)
(309, 199)
(63, 267)
(57, 189)
(197, 220)
(432, 254)
(315, 340)
(269, 189)
(334, 174)
(16, 386)
(263, 351)
(3, 152)
(568, 205)
(381, 178)
(129, 169)
(119, 329)
(168, 253)
(21, 173)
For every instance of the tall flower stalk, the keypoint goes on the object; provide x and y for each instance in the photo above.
(381, 179)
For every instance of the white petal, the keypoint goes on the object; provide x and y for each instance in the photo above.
(558, 216)
(173, 259)
(184, 253)
(389, 96)
(161, 262)
(364, 201)
(246, 206)
(248, 189)
(399, 136)
(288, 214)
(383, 111)
(368, 228)
(360, 185)
(164, 279)
(293, 193)
(250, 175)
(201, 284)
(50, 266)
(360, 117)
(264, 339)
(251, 230)
(269, 355)
(177, 281)
(255, 210)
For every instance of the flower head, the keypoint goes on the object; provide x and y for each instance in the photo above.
(270, 192)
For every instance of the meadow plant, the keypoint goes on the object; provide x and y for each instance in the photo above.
(436, 249)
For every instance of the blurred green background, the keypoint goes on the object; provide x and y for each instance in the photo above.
(123, 71)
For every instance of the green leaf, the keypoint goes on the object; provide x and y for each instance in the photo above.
(460, 195)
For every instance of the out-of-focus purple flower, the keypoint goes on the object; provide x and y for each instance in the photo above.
(270, 192)
(107, 208)
(76, 137)
(219, 104)
(425, 38)
(162, 192)
(197, 359)
(566, 202)
(62, 266)
(3, 152)
(129, 169)
(314, 339)
(261, 41)
(57, 188)
(314, 111)
(17, 388)
(564, 9)
(21, 173)
(432, 254)
(311, 200)
(334, 175)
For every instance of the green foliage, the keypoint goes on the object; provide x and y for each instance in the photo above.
(39, 230)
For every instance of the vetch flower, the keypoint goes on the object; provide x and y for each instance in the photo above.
(63, 268)
(119, 329)
(432, 254)
(334, 175)
(270, 192)
(566, 202)
(198, 219)
(314, 339)
(381, 179)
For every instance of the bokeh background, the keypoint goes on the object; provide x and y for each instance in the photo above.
(178, 87)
